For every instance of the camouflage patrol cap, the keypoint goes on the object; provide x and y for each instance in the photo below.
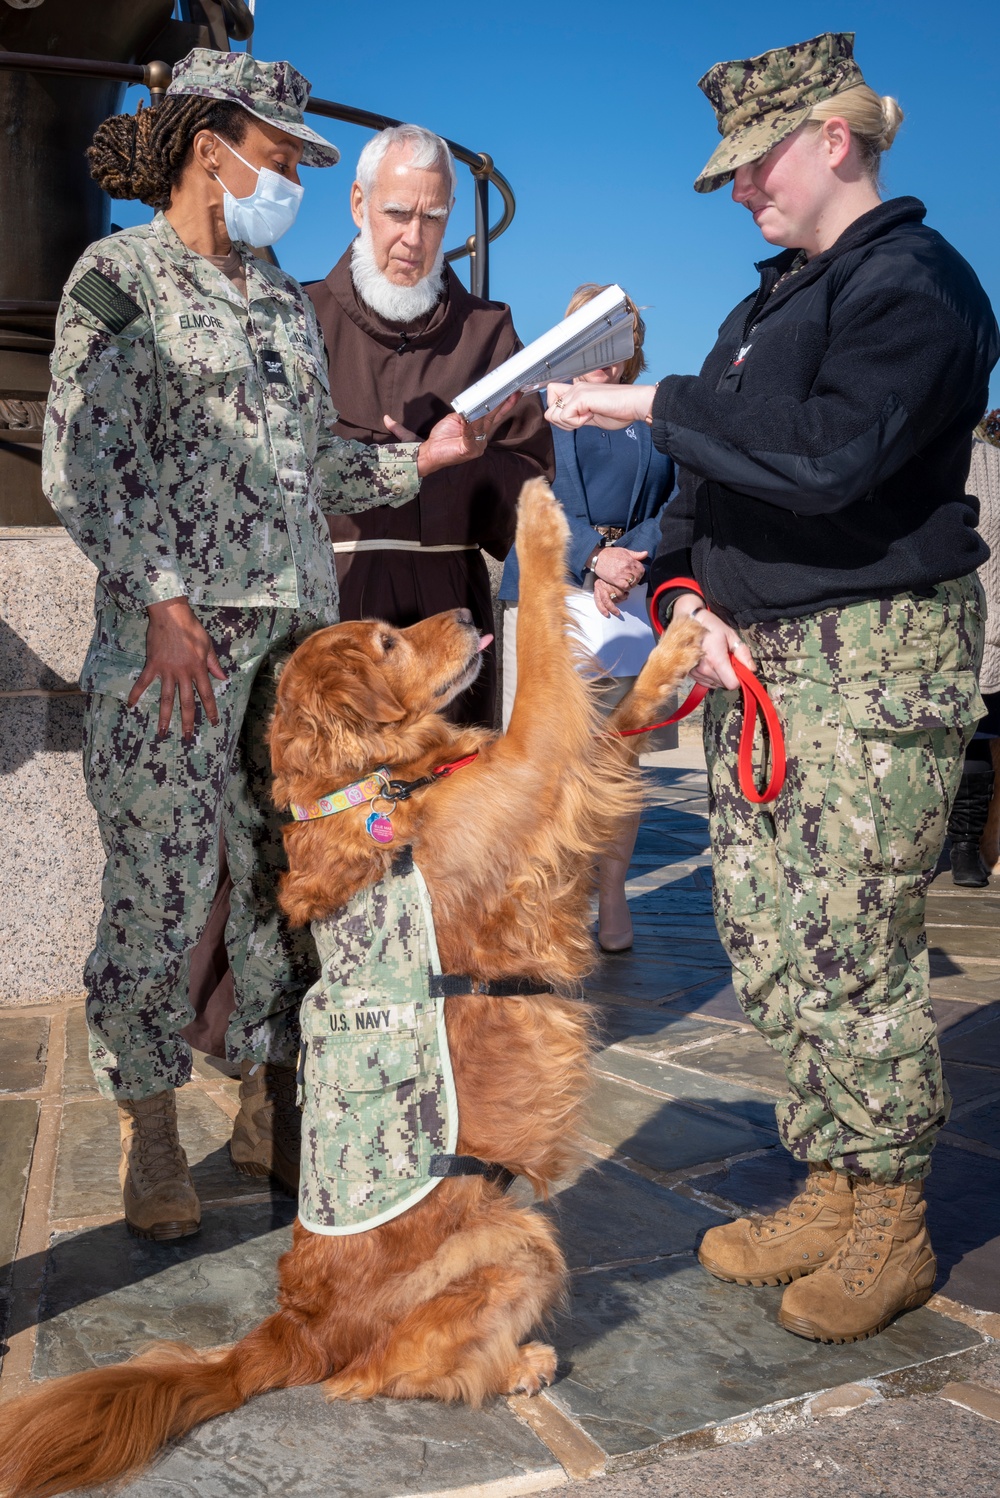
(271, 91)
(760, 100)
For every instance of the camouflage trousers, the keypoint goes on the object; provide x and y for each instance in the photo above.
(161, 804)
(820, 897)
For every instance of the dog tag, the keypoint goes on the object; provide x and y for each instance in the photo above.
(379, 827)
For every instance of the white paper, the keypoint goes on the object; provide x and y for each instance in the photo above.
(599, 333)
(620, 645)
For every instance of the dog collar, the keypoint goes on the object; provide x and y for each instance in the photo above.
(377, 784)
(355, 794)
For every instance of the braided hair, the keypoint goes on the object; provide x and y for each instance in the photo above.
(142, 155)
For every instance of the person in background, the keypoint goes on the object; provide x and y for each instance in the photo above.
(970, 814)
(822, 513)
(189, 451)
(403, 336)
(612, 486)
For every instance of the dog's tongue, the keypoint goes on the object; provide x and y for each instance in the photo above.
(485, 640)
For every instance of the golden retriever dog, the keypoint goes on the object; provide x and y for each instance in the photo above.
(439, 1301)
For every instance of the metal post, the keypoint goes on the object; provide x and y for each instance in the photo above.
(157, 80)
(480, 277)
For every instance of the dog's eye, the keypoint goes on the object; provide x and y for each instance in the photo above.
(388, 643)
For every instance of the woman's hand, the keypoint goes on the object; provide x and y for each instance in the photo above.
(620, 567)
(608, 406)
(715, 669)
(453, 439)
(180, 653)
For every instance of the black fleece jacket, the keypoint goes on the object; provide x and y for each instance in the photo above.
(825, 446)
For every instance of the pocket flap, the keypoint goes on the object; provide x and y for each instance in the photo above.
(361, 1063)
(913, 703)
(112, 672)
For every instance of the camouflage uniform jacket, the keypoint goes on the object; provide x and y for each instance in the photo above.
(188, 440)
(377, 1085)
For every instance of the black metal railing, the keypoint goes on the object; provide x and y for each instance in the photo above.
(156, 76)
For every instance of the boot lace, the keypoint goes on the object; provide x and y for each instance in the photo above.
(155, 1150)
(868, 1242)
(798, 1209)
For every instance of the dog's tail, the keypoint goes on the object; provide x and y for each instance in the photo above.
(92, 1427)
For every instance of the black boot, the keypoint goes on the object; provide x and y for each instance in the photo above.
(967, 824)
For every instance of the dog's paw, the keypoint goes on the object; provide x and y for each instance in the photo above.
(542, 531)
(534, 1370)
(678, 652)
(683, 644)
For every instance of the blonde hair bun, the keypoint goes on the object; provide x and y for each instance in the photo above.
(892, 118)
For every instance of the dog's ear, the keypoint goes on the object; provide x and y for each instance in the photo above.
(369, 696)
(329, 701)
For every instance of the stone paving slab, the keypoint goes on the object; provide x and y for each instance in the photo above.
(762, 1184)
(978, 1040)
(295, 1444)
(983, 910)
(680, 1079)
(18, 1122)
(963, 978)
(654, 1351)
(78, 1078)
(658, 1031)
(662, 1133)
(977, 941)
(969, 1083)
(716, 997)
(959, 1015)
(23, 1052)
(611, 1214)
(107, 1294)
(742, 1057)
(980, 1123)
(87, 1162)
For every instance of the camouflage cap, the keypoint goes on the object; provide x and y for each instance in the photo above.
(271, 91)
(760, 100)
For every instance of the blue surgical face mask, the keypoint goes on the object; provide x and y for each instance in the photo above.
(267, 213)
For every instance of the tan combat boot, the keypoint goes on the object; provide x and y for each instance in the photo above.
(160, 1200)
(267, 1133)
(799, 1239)
(885, 1266)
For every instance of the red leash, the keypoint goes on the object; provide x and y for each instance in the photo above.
(755, 701)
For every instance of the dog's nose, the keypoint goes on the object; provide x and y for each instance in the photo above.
(464, 616)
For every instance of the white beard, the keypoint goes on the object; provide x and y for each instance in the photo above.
(398, 304)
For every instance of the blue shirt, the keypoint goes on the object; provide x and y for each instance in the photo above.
(609, 462)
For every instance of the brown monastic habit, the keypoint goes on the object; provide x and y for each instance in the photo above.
(412, 372)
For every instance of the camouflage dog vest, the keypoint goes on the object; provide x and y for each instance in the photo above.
(377, 1086)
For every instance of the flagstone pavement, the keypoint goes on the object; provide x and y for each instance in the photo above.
(669, 1381)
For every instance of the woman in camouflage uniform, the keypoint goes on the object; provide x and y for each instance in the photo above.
(823, 453)
(189, 450)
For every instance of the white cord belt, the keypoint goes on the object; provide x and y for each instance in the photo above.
(389, 545)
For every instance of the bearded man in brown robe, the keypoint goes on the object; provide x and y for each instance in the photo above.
(403, 335)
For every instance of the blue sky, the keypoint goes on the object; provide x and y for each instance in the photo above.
(592, 112)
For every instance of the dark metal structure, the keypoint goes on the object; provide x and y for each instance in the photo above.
(64, 67)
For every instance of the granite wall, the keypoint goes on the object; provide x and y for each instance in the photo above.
(50, 852)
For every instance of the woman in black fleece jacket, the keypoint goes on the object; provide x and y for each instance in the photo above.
(824, 449)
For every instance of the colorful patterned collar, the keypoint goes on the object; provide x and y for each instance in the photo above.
(355, 794)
